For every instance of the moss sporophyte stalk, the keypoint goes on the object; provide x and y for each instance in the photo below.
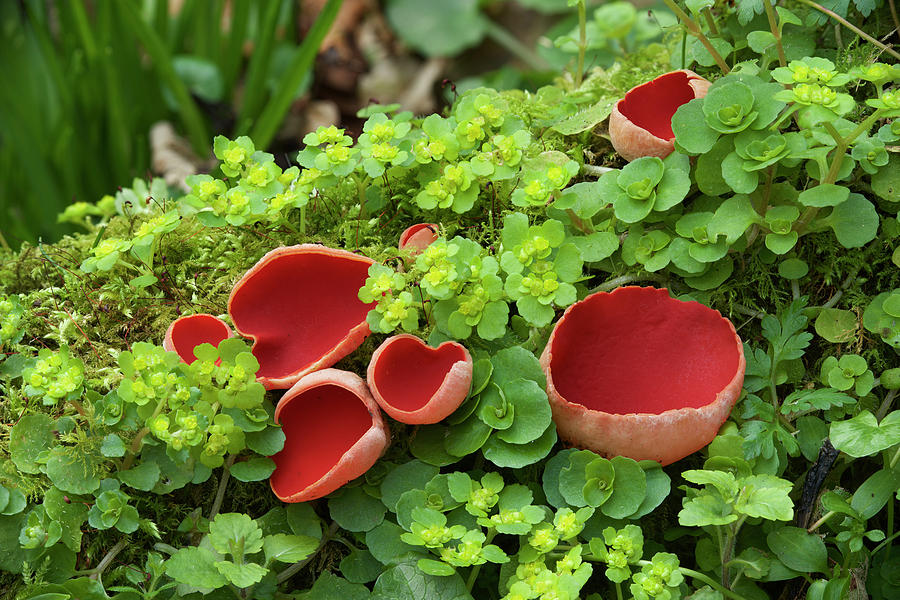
(555, 428)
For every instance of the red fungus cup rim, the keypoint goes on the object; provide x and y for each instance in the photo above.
(334, 432)
(417, 384)
(641, 122)
(637, 373)
(187, 332)
(300, 307)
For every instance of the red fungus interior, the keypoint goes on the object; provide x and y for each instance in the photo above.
(640, 351)
(419, 236)
(190, 332)
(408, 373)
(299, 307)
(320, 426)
(652, 105)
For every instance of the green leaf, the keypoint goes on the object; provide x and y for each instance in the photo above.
(793, 268)
(255, 469)
(331, 587)
(572, 477)
(875, 492)
(360, 567)
(550, 477)
(12, 555)
(692, 133)
(855, 222)
(733, 217)
(231, 532)
(355, 510)
(385, 544)
(707, 508)
(863, 435)
(70, 516)
(241, 576)
(445, 29)
(836, 325)
(516, 456)
(532, 413)
(568, 263)
(824, 194)
(267, 441)
(765, 496)
(658, 487)
(435, 567)
(585, 119)
(493, 408)
(303, 520)
(288, 548)
(467, 437)
(596, 246)
(781, 243)
(411, 475)
(142, 477)
(28, 438)
(112, 446)
(739, 180)
(798, 549)
(585, 199)
(534, 312)
(73, 474)
(407, 582)
(514, 363)
(195, 566)
(629, 488)
(427, 444)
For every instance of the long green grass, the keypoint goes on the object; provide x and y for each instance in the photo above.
(84, 81)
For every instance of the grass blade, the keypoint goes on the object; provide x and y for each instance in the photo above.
(268, 122)
(254, 84)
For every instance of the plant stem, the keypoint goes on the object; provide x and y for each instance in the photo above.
(619, 281)
(296, 567)
(503, 37)
(821, 521)
(885, 404)
(710, 21)
(849, 26)
(618, 591)
(582, 41)
(695, 30)
(770, 13)
(710, 582)
(595, 170)
(894, 460)
(223, 483)
(97, 573)
(473, 574)
(894, 15)
(3, 242)
(303, 220)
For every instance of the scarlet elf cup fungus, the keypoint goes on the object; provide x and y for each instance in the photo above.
(641, 123)
(639, 374)
(188, 332)
(333, 432)
(417, 384)
(299, 305)
(418, 237)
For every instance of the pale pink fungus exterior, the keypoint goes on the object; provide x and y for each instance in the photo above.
(637, 373)
(186, 333)
(416, 238)
(641, 123)
(417, 384)
(299, 305)
(333, 431)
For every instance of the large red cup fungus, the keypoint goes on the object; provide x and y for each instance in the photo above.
(417, 384)
(639, 374)
(333, 432)
(299, 305)
(188, 332)
(641, 122)
(418, 237)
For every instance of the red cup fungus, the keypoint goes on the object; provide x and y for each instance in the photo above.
(417, 384)
(333, 432)
(418, 237)
(188, 332)
(299, 305)
(641, 123)
(637, 373)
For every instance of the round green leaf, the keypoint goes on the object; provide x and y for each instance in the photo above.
(629, 488)
(516, 456)
(836, 325)
(799, 550)
(532, 411)
(444, 29)
(427, 444)
(355, 510)
(494, 409)
(73, 474)
(360, 567)
(412, 475)
(855, 222)
(793, 268)
(467, 437)
(267, 441)
(863, 435)
(29, 437)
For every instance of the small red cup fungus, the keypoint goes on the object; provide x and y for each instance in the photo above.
(333, 432)
(418, 237)
(299, 305)
(188, 332)
(641, 123)
(637, 373)
(417, 384)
